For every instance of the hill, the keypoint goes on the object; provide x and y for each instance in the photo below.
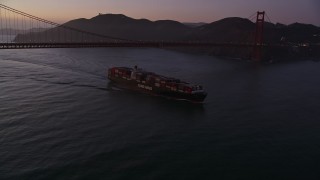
(118, 25)
(231, 29)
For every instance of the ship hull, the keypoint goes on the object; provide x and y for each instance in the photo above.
(154, 84)
(156, 91)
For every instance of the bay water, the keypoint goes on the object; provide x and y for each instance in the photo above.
(60, 119)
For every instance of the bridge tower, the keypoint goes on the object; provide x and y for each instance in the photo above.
(258, 39)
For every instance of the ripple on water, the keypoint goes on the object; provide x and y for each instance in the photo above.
(60, 120)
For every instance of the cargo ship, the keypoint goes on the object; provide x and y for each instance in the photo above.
(151, 83)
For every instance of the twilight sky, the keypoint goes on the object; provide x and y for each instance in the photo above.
(284, 11)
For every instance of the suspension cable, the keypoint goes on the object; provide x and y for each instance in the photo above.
(251, 17)
(268, 18)
(63, 26)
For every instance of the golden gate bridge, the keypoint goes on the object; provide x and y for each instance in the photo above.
(21, 30)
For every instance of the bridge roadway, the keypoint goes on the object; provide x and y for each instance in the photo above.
(156, 44)
(122, 44)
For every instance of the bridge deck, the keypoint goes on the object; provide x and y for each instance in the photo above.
(125, 44)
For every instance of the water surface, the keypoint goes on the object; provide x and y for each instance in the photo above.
(60, 120)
